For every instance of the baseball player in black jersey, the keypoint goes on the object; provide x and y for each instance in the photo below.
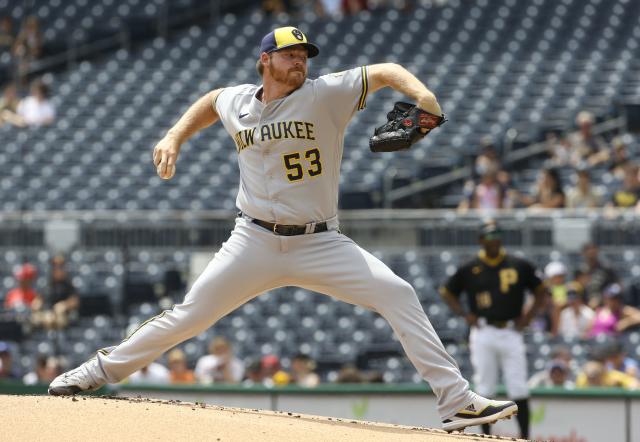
(496, 285)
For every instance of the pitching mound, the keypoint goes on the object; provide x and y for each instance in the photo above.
(85, 418)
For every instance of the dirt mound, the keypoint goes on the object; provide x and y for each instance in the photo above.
(84, 418)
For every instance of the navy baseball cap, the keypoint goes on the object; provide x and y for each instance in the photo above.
(613, 291)
(285, 37)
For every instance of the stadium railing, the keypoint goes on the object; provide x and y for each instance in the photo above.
(563, 229)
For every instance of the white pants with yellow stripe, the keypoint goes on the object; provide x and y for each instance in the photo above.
(254, 260)
(495, 350)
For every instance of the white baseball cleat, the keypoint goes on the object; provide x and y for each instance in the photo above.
(480, 411)
(74, 381)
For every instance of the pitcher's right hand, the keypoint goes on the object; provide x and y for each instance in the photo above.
(165, 155)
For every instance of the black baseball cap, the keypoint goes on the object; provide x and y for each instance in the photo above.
(285, 37)
(490, 230)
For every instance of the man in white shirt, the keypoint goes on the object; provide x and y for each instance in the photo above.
(36, 109)
(220, 366)
(575, 319)
(152, 374)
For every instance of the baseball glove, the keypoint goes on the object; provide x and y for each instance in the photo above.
(403, 128)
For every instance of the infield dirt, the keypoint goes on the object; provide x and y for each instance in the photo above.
(83, 418)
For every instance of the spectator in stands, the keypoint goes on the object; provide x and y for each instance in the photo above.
(37, 109)
(152, 374)
(575, 320)
(179, 372)
(24, 296)
(559, 149)
(549, 193)
(61, 302)
(9, 107)
(614, 316)
(487, 159)
(488, 194)
(581, 281)
(628, 196)
(47, 369)
(220, 365)
(619, 157)
(7, 370)
(596, 374)
(587, 147)
(583, 195)
(352, 7)
(349, 374)
(557, 374)
(617, 359)
(277, 6)
(556, 279)
(272, 373)
(598, 273)
(331, 8)
(302, 371)
(28, 43)
(561, 352)
(7, 36)
(253, 373)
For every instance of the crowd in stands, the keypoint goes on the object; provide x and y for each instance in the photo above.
(24, 101)
(219, 367)
(589, 308)
(57, 307)
(33, 110)
(491, 186)
(607, 366)
(52, 310)
(589, 305)
(336, 8)
(23, 46)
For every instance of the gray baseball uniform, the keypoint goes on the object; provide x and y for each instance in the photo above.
(289, 152)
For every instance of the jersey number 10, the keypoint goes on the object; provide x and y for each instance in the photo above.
(295, 171)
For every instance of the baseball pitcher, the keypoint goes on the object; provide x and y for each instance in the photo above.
(289, 134)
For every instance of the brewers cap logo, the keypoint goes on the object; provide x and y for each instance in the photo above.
(285, 37)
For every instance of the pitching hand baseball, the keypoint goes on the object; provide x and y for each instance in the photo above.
(165, 155)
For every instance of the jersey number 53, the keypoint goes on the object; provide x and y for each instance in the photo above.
(294, 166)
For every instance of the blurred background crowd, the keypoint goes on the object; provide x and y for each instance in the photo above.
(588, 310)
(24, 102)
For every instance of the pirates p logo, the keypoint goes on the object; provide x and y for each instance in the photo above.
(297, 34)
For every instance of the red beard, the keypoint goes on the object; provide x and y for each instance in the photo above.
(290, 78)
